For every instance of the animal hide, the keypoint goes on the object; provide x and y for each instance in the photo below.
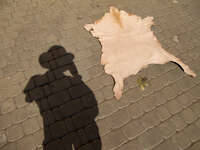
(128, 45)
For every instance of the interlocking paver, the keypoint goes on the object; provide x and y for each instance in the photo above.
(7, 106)
(3, 138)
(14, 133)
(167, 129)
(133, 129)
(163, 113)
(26, 142)
(124, 118)
(5, 120)
(133, 144)
(192, 132)
(30, 125)
(178, 122)
(182, 140)
(19, 115)
(135, 110)
(173, 106)
(188, 115)
(113, 139)
(10, 146)
(107, 108)
(151, 138)
(150, 119)
(166, 145)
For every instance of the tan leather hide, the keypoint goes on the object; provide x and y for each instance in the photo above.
(128, 45)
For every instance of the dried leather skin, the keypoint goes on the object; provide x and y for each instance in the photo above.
(128, 45)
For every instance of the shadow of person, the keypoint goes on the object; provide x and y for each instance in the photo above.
(68, 107)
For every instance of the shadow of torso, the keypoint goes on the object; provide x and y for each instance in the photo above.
(68, 108)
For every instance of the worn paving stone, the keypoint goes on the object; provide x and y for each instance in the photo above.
(133, 144)
(3, 138)
(192, 132)
(14, 133)
(162, 113)
(20, 101)
(5, 120)
(195, 146)
(149, 120)
(151, 138)
(135, 110)
(19, 115)
(188, 115)
(182, 140)
(167, 129)
(178, 122)
(116, 122)
(26, 142)
(173, 106)
(148, 103)
(30, 125)
(7, 106)
(168, 144)
(113, 139)
(10, 146)
(107, 108)
(133, 129)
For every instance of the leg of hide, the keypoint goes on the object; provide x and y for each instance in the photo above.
(184, 66)
(118, 86)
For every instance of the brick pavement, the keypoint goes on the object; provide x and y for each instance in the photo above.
(165, 116)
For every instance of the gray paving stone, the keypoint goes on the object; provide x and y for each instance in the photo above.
(148, 103)
(185, 99)
(19, 115)
(38, 137)
(173, 107)
(20, 101)
(178, 122)
(166, 145)
(14, 133)
(32, 110)
(149, 120)
(26, 142)
(119, 118)
(30, 125)
(104, 126)
(113, 139)
(182, 140)
(163, 113)
(107, 108)
(7, 106)
(168, 93)
(195, 146)
(167, 129)
(3, 138)
(108, 92)
(192, 132)
(188, 115)
(5, 120)
(133, 144)
(10, 146)
(151, 138)
(135, 110)
(133, 129)
(159, 100)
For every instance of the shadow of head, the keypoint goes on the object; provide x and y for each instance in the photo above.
(55, 57)
(57, 60)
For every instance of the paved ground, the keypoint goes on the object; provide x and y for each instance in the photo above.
(166, 116)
